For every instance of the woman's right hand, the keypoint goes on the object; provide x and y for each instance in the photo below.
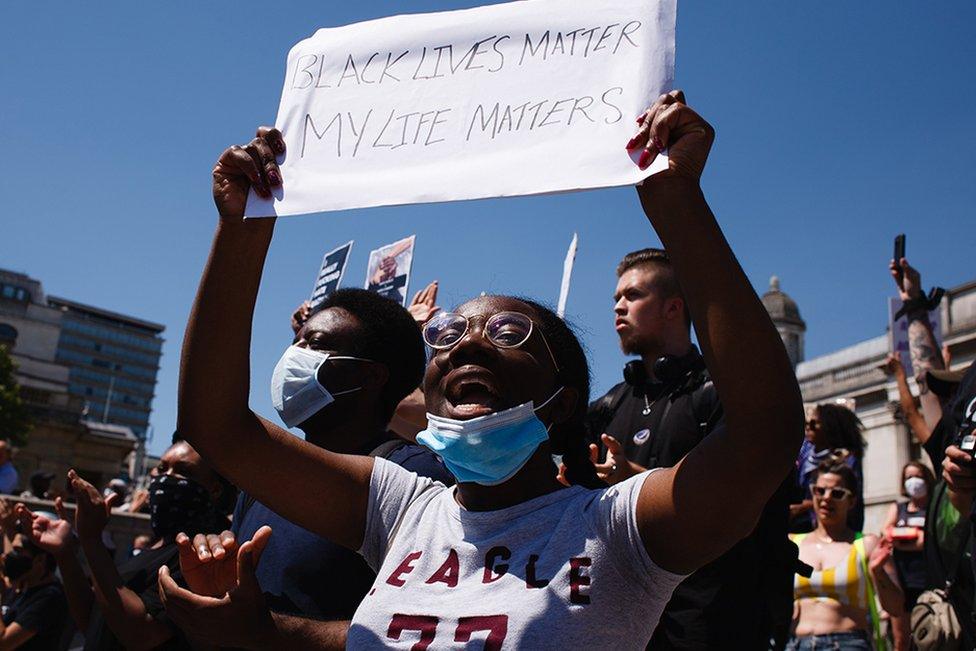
(242, 166)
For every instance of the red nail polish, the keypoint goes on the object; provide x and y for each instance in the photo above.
(274, 178)
(641, 117)
(645, 159)
(658, 144)
(632, 143)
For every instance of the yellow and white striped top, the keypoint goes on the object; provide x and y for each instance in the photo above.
(846, 582)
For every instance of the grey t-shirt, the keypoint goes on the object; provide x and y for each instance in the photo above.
(547, 573)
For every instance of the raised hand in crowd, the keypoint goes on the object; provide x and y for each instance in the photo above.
(907, 279)
(53, 536)
(57, 537)
(893, 366)
(300, 316)
(92, 508)
(222, 599)
(227, 607)
(925, 353)
(424, 304)
(249, 166)
(617, 467)
(726, 312)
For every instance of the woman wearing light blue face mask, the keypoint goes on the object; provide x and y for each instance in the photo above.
(511, 557)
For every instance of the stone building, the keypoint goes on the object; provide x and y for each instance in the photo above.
(66, 433)
(852, 374)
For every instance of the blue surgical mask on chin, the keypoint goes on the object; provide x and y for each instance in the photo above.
(490, 449)
(295, 389)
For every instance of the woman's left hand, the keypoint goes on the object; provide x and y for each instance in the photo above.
(670, 124)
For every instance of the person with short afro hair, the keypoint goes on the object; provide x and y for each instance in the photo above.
(389, 335)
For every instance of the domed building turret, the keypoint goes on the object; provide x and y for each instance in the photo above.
(786, 316)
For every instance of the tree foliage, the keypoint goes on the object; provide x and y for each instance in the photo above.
(14, 419)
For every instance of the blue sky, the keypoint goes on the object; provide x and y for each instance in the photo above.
(839, 125)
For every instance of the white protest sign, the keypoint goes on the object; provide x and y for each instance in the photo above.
(567, 274)
(898, 332)
(512, 99)
(330, 274)
(388, 269)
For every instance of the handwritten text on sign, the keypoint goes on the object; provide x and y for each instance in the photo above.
(512, 99)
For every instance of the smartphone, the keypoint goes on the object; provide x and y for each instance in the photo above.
(899, 247)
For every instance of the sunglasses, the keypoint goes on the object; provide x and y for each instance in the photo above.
(835, 493)
(502, 330)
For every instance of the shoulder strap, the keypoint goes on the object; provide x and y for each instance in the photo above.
(605, 408)
(880, 643)
(706, 406)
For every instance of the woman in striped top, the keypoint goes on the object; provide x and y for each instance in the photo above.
(836, 606)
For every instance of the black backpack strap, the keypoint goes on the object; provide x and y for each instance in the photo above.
(603, 409)
(705, 405)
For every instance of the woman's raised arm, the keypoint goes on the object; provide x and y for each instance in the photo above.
(693, 512)
(214, 415)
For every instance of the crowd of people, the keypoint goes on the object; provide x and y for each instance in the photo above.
(456, 486)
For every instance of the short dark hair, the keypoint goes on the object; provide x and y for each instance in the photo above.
(665, 280)
(389, 335)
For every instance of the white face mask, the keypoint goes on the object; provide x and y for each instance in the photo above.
(295, 389)
(916, 487)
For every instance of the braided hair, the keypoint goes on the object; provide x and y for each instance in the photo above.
(569, 437)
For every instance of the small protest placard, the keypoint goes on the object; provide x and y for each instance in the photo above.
(898, 331)
(388, 269)
(330, 274)
(510, 99)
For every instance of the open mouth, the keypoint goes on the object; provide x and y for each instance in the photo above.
(472, 392)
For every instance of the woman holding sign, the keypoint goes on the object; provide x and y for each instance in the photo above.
(511, 557)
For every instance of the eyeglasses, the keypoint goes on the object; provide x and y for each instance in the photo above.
(503, 330)
(813, 423)
(835, 493)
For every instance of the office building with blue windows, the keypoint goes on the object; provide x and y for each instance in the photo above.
(113, 360)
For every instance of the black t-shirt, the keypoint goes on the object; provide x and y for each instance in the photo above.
(644, 441)
(139, 574)
(729, 598)
(302, 573)
(42, 609)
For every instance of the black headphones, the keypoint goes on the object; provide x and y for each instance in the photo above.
(669, 372)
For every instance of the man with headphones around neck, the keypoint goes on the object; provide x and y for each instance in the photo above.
(664, 408)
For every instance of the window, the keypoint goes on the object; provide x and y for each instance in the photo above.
(8, 334)
(13, 293)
